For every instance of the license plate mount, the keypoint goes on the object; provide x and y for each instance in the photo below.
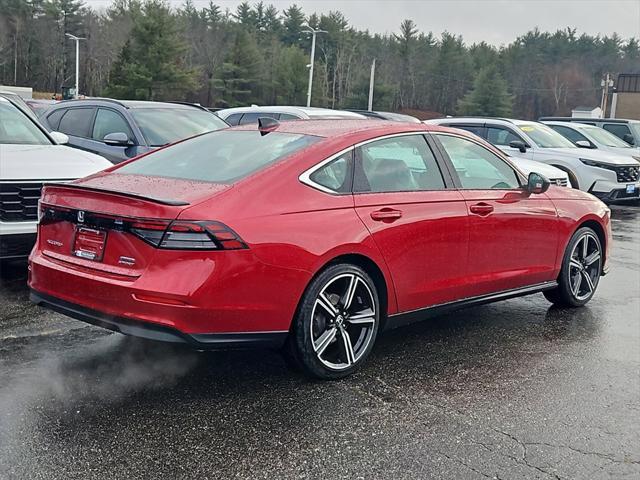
(89, 243)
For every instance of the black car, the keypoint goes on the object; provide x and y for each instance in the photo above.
(121, 129)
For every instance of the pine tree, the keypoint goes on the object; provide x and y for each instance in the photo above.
(488, 97)
(240, 80)
(293, 23)
(150, 65)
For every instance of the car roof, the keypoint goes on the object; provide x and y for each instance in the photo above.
(587, 119)
(574, 125)
(304, 111)
(347, 127)
(479, 120)
(128, 104)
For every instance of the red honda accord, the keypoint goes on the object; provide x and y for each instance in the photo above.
(310, 235)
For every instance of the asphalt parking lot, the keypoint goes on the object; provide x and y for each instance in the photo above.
(506, 391)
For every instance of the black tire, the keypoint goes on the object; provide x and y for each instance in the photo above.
(312, 321)
(574, 289)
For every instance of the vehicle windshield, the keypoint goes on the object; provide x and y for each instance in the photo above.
(544, 136)
(225, 156)
(605, 138)
(17, 129)
(635, 128)
(167, 125)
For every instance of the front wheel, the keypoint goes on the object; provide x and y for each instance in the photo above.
(580, 272)
(337, 323)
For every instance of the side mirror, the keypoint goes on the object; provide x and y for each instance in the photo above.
(584, 144)
(629, 139)
(537, 183)
(59, 137)
(519, 144)
(117, 139)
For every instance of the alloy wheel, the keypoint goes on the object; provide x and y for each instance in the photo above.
(343, 321)
(585, 266)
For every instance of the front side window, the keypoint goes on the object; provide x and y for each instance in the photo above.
(224, 156)
(618, 129)
(108, 121)
(335, 175)
(76, 122)
(501, 136)
(17, 129)
(167, 125)
(477, 167)
(570, 133)
(398, 164)
(545, 137)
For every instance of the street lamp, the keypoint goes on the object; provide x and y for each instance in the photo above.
(77, 40)
(313, 33)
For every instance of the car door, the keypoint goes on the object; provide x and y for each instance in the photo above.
(500, 137)
(416, 219)
(109, 121)
(76, 123)
(513, 235)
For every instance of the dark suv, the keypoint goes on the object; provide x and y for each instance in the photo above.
(121, 129)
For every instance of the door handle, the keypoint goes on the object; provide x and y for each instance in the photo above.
(386, 214)
(481, 209)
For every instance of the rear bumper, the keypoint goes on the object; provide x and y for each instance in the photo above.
(151, 331)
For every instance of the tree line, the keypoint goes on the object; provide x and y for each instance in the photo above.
(145, 49)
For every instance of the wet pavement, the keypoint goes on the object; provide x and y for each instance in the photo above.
(506, 391)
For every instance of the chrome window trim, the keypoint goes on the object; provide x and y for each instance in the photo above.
(304, 177)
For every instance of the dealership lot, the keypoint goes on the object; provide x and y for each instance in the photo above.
(510, 390)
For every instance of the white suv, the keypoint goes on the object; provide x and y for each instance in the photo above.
(606, 175)
(29, 156)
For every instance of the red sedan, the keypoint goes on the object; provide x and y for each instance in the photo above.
(310, 235)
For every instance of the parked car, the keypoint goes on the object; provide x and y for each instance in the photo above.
(245, 115)
(30, 156)
(627, 130)
(608, 176)
(122, 129)
(311, 235)
(391, 116)
(595, 138)
(19, 101)
(39, 106)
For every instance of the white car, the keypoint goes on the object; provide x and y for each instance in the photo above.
(244, 115)
(29, 157)
(595, 138)
(606, 175)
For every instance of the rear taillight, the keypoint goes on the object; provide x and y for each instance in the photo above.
(185, 235)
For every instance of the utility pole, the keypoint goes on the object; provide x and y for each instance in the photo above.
(77, 40)
(606, 83)
(313, 33)
(371, 80)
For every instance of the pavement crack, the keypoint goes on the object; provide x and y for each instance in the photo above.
(464, 464)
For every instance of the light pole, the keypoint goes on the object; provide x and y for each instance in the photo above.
(313, 33)
(77, 40)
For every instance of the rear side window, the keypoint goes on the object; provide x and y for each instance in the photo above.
(253, 117)
(475, 129)
(233, 119)
(224, 156)
(398, 164)
(336, 175)
(108, 121)
(54, 118)
(76, 122)
(288, 116)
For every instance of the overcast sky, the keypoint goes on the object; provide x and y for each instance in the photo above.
(495, 21)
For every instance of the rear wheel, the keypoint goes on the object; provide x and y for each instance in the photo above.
(337, 323)
(581, 270)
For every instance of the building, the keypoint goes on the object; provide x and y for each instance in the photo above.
(586, 112)
(625, 102)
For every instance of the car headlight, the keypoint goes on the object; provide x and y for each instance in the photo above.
(593, 163)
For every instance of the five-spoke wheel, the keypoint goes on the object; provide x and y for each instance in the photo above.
(581, 270)
(337, 323)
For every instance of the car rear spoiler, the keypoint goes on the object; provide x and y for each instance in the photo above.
(163, 201)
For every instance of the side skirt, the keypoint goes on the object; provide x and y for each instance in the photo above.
(406, 318)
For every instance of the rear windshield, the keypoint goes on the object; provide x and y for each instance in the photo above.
(167, 125)
(225, 156)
